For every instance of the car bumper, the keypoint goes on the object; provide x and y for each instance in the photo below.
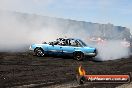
(93, 54)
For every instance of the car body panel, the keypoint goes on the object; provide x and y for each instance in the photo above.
(68, 49)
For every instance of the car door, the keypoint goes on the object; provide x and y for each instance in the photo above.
(54, 49)
(69, 48)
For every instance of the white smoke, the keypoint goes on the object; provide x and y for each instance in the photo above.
(111, 50)
(15, 33)
(18, 31)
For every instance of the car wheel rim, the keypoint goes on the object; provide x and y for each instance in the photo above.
(40, 52)
(79, 56)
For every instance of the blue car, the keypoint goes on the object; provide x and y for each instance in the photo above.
(64, 46)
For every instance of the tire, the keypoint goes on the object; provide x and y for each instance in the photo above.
(39, 52)
(78, 56)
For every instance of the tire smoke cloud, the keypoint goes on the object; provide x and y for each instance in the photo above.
(18, 31)
(111, 50)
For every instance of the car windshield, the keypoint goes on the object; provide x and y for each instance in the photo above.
(83, 44)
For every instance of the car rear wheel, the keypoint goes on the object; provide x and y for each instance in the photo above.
(39, 52)
(78, 56)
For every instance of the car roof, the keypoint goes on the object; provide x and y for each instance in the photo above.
(70, 38)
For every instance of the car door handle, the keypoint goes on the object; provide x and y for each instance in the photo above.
(60, 47)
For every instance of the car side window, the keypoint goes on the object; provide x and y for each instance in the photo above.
(74, 43)
(55, 42)
(78, 44)
(62, 42)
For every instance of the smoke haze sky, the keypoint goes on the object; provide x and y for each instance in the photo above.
(117, 12)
